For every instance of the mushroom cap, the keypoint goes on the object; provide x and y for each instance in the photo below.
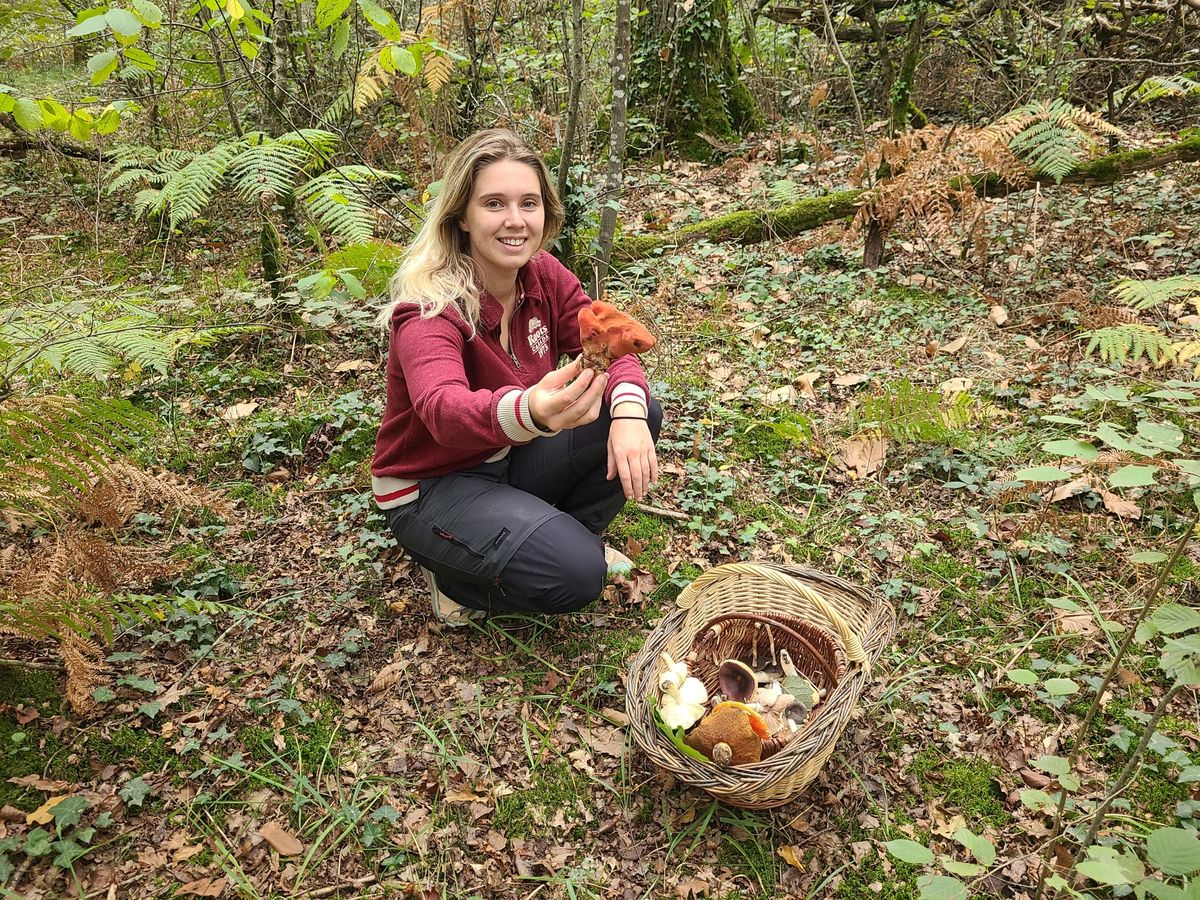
(729, 725)
(736, 680)
(756, 720)
(796, 713)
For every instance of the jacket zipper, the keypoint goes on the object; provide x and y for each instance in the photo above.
(447, 536)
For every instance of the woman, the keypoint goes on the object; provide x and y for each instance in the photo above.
(497, 471)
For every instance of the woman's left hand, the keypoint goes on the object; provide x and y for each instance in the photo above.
(631, 455)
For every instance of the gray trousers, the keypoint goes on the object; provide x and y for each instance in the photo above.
(521, 534)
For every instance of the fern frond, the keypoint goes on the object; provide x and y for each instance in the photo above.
(437, 71)
(128, 177)
(339, 201)
(268, 169)
(1158, 86)
(1146, 294)
(190, 189)
(1187, 353)
(1052, 137)
(1129, 343)
(906, 412)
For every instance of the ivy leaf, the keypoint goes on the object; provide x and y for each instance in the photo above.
(91, 25)
(68, 852)
(1132, 476)
(149, 685)
(1173, 851)
(28, 114)
(37, 842)
(134, 792)
(910, 852)
(1188, 775)
(941, 887)
(68, 811)
(1041, 473)
(103, 695)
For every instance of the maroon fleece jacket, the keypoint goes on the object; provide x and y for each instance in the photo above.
(455, 401)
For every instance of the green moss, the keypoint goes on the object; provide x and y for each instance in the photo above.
(30, 749)
(29, 686)
(899, 884)
(260, 499)
(556, 787)
(968, 785)
(744, 226)
(146, 751)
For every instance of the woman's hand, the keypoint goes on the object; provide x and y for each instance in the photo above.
(566, 399)
(631, 452)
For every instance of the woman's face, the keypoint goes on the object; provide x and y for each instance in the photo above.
(504, 221)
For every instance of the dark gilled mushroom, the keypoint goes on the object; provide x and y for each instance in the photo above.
(736, 680)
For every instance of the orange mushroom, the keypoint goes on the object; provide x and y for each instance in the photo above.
(727, 736)
(606, 334)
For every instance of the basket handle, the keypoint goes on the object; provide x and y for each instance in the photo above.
(854, 648)
(830, 674)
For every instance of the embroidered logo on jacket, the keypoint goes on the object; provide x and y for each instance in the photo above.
(539, 337)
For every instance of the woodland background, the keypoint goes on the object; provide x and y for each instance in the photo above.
(927, 291)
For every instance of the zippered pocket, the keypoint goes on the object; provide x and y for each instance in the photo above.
(461, 545)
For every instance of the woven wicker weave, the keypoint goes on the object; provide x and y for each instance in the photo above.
(861, 624)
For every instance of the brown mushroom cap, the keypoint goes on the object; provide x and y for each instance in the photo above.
(731, 727)
(736, 680)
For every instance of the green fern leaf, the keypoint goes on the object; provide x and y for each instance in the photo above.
(1146, 294)
(1129, 343)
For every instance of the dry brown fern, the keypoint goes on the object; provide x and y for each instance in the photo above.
(928, 176)
(86, 671)
(123, 489)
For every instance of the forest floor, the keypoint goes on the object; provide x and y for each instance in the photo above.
(310, 732)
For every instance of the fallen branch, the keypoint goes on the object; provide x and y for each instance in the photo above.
(665, 513)
(751, 226)
(18, 147)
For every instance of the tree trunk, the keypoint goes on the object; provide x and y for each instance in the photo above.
(573, 54)
(616, 145)
(686, 77)
(206, 20)
(753, 225)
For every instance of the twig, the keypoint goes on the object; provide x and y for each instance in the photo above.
(1085, 727)
(334, 888)
(30, 664)
(665, 513)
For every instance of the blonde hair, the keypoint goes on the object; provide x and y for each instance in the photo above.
(438, 273)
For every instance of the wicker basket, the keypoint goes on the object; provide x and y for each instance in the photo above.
(861, 625)
(814, 650)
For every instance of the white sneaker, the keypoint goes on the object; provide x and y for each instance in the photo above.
(445, 610)
(618, 563)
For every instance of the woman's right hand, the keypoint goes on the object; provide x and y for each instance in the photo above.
(565, 398)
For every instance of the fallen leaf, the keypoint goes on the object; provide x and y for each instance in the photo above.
(1075, 622)
(850, 379)
(466, 796)
(353, 365)
(954, 346)
(948, 827)
(186, 852)
(1127, 677)
(1031, 344)
(806, 382)
(790, 853)
(862, 456)
(782, 396)
(1035, 779)
(1070, 489)
(25, 716)
(388, 676)
(239, 410)
(956, 385)
(43, 815)
(284, 842)
(615, 716)
(37, 782)
(203, 887)
(998, 314)
(693, 887)
(1119, 506)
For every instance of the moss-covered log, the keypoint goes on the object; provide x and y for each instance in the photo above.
(751, 226)
(747, 226)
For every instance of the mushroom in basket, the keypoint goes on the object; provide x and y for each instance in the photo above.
(684, 699)
(731, 735)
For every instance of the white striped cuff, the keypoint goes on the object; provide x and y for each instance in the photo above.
(515, 420)
(628, 393)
